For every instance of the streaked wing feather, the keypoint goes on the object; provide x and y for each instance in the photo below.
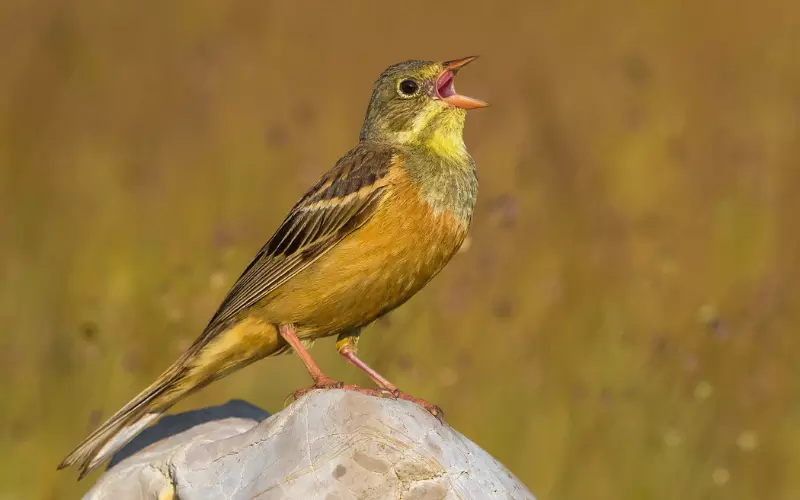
(343, 200)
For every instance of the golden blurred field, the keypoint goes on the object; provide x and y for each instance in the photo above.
(623, 324)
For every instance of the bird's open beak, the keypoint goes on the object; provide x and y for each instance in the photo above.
(445, 88)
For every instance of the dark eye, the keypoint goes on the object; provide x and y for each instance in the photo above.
(409, 87)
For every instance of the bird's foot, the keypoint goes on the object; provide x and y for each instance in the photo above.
(322, 382)
(325, 382)
(430, 407)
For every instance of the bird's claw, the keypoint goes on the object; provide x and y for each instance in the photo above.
(329, 383)
(321, 383)
(433, 409)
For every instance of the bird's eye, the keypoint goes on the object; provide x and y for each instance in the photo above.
(409, 87)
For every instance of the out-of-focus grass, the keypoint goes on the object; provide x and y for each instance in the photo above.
(623, 325)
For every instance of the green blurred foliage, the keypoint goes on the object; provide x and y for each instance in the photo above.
(622, 325)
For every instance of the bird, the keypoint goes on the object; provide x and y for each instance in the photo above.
(374, 230)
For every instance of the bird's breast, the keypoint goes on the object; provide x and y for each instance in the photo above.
(376, 268)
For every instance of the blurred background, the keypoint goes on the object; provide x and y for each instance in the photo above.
(622, 323)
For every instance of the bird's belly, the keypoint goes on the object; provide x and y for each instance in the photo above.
(373, 270)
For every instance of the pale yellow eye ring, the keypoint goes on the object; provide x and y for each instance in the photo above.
(407, 87)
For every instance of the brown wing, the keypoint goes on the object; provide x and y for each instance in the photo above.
(342, 201)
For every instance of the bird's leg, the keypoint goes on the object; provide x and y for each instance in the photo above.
(321, 380)
(347, 345)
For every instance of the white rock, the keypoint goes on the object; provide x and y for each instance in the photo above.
(331, 444)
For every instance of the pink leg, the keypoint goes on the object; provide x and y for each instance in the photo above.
(376, 377)
(320, 379)
(346, 348)
(347, 351)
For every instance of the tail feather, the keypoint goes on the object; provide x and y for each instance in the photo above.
(124, 425)
(215, 354)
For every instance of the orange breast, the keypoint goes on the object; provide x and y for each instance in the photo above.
(375, 269)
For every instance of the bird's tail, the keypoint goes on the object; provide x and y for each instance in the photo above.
(212, 356)
(124, 425)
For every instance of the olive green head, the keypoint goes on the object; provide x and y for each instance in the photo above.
(415, 103)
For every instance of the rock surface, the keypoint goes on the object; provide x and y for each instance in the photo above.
(330, 444)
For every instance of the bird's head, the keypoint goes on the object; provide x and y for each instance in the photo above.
(415, 103)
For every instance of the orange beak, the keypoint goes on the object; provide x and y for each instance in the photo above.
(446, 91)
